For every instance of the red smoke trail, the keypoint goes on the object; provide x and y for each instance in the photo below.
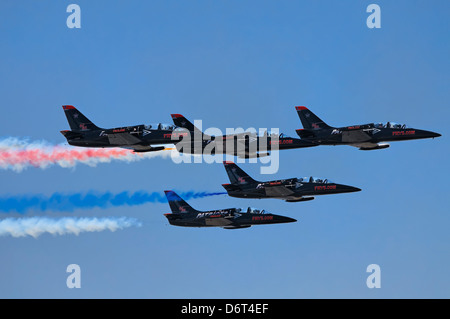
(18, 154)
(40, 158)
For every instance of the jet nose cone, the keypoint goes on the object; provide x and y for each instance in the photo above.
(282, 219)
(435, 135)
(347, 189)
(288, 220)
(427, 134)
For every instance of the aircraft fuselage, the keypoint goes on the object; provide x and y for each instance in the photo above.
(227, 218)
(295, 189)
(242, 145)
(114, 137)
(366, 133)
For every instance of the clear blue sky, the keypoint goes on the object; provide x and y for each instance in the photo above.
(235, 64)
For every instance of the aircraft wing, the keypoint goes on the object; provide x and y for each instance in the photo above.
(249, 155)
(246, 136)
(355, 136)
(126, 140)
(238, 137)
(277, 191)
(123, 139)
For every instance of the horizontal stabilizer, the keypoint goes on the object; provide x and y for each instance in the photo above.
(71, 134)
(231, 187)
(305, 133)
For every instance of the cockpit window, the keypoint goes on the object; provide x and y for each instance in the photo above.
(160, 126)
(312, 179)
(252, 210)
(167, 127)
(390, 125)
(272, 134)
(378, 125)
(396, 125)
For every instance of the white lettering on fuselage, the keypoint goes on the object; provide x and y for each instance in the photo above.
(218, 213)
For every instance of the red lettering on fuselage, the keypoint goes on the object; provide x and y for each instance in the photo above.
(262, 217)
(400, 133)
(281, 142)
(175, 135)
(324, 187)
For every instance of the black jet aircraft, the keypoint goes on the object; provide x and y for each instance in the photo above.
(139, 138)
(230, 218)
(244, 145)
(365, 137)
(291, 190)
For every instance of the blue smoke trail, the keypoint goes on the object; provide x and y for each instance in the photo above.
(70, 202)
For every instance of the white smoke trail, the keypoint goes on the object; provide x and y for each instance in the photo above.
(36, 226)
(18, 154)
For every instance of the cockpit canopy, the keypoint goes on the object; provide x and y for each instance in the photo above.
(160, 126)
(312, 179)
(252, 210)
(390, 125)
(272, 134)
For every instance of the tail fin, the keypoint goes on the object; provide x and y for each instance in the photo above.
(77, 121)
(180, 121)
(237, 175)
(177, 204)
(309, 120)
